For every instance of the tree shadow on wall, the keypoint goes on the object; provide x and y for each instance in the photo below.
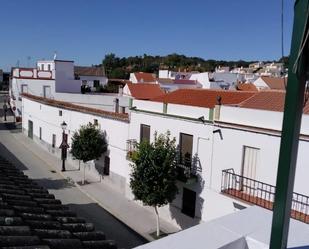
(196, 183)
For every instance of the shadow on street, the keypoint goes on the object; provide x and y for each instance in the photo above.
(54, 183)
(112, 227)
(5, 153)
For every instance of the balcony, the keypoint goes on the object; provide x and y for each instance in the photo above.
(187, 169)
(131, 148)
(261, 194)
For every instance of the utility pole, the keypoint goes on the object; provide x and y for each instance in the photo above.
(294, 100)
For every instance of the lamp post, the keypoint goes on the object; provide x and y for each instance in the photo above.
(64, 145)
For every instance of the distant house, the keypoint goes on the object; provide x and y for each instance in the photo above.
(170, 85)
(46, 79)
(142, 91)
(142, 77)
(274, 83)
(92, 77)
(1, 76)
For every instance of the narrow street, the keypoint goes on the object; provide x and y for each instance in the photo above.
(13, 150)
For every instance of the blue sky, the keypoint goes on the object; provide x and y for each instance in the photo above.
(86, 30)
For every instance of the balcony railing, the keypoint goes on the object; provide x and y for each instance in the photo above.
(261, 194)
(187, 169)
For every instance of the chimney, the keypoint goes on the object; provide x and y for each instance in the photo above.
(217, 108)
(116, 105)
(120, 90)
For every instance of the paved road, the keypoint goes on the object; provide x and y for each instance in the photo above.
(24, 159)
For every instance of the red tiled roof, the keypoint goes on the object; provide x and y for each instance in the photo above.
(203, 97)
(275, 83)
(78, 108)
(144, 77)
(145, 91)
(246, 87)
(266, 100)
(89, 71)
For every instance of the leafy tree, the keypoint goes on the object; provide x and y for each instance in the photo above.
(153, 177)
(88, 143)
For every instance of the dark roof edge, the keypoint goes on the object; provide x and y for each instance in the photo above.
(78, 108)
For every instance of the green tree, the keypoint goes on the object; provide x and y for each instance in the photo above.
(88, 143)
(153, 177)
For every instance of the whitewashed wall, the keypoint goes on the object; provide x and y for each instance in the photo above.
(48, 118)
(34, 86)
(260, 83)
(65, 81)
(251, 117)
(101, 101)
(132, 78)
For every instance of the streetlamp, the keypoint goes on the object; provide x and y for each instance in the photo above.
(64, 144)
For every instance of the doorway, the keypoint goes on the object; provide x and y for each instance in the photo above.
(188, 202)
(30, 129)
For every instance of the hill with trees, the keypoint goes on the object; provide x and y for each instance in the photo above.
(120, 68)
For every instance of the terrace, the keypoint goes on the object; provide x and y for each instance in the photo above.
(261, 194)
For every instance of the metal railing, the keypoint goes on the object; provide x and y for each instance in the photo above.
(261, 194)
(187, 168)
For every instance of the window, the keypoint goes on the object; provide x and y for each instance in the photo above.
(96, 83)
(60, 113)
(250, 162)
(123, 109)
(30, 129)
(186, 145)
(42, 67)
(95, 122)
(46, 92)
(54, 141)
(145, 133)
(48, 67)
(24, 88)
(40, 133)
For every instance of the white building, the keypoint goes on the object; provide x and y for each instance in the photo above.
(92, 77)
(230, 140)
(274, 83)
(48, 78)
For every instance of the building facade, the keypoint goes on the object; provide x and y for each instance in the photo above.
(228, 141)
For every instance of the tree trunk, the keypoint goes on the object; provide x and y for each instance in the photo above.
(158, 221)
(83, 182)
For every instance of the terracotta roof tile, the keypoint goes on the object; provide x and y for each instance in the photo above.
(79, 108)
(89, 71)
(145, 91)
(33, 218)
(203, 97)
(266, 100)
(275, 83)
(271, 100)
(144, 77)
